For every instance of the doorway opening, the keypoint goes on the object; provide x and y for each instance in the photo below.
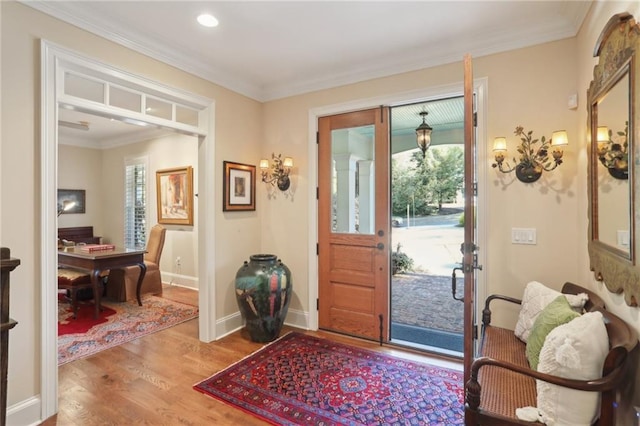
(427, 205)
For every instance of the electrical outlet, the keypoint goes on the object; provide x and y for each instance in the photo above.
(178, 261)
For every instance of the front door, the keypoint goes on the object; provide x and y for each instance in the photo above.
(353, 223)
(469, 247)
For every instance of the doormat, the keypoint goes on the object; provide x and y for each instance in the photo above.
(305, 380)
(127, 322)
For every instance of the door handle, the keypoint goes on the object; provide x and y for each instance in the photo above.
(454, 283)
(380, 246)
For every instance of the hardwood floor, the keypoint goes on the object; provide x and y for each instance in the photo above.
(149, 380)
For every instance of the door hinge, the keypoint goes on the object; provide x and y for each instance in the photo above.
(475, 332)
(475, 189)
(317, 192)
(475, 119)
(317, 249)
(317, 138)
(318, 304)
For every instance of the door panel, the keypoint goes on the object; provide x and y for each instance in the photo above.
(469, 259)
(353, 229)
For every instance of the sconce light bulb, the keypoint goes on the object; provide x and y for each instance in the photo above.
(288, 162)
(264, 164)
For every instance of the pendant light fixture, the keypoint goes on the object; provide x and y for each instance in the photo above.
(423, 134)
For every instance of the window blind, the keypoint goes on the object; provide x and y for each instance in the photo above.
(135, 219)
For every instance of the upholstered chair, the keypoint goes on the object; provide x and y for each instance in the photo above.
(122, 283)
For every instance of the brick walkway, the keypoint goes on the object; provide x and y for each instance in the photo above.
(425, 301)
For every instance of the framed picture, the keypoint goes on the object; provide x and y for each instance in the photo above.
(71, 201)
(175, 196)
(239, 187)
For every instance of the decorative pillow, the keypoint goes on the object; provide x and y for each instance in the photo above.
(536, 297)
(556, 313)
(575, 350)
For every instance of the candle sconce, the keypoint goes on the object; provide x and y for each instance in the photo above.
(533, 161)
(277, 173)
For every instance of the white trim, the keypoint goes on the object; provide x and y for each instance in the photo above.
(54, 59)
(422, 95)
(25, 412)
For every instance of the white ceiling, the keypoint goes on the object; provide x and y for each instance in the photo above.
(268, 49)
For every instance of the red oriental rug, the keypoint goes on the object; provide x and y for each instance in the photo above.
(118, 323)
(305, 380)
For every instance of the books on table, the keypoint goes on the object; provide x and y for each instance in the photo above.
(90, 248)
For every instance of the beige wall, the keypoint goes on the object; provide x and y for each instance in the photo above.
(81, 168)
(237, 137)
(528, 87)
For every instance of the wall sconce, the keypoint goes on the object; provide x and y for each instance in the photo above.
(66, 206)
(277, 174)
(613, 155)
(532, 161)
(423, 134)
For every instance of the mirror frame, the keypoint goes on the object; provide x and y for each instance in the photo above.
(617, 48)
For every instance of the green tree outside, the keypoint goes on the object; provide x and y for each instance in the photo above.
(426, 183)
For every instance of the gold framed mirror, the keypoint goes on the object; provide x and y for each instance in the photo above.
(613, 155)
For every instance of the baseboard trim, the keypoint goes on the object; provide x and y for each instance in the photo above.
(186, 281)
(296, 318)
(25, 413)
(234, 322)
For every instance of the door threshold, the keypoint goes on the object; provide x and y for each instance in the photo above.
(431, 350)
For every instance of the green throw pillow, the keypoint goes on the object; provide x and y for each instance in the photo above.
(556, 313)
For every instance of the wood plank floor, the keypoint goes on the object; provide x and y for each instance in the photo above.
(149, 380)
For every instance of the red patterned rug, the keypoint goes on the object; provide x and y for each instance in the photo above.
(304, 380)
(118, 323)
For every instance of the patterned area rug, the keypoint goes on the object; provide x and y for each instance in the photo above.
(118, 323)
(304, 380)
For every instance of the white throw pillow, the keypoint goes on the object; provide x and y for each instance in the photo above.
(575, 350)
(536, 297)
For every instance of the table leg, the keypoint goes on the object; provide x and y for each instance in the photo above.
(143, 270)
(96, 282)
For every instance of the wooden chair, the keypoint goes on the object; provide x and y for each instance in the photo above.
(122, 282)
(73, 280)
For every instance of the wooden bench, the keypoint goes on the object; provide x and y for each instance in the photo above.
(502, 381)
(78, 234)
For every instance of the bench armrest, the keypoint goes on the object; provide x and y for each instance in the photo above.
(486, 312)
(605, 383)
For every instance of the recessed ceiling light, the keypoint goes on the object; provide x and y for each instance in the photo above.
(207, 20)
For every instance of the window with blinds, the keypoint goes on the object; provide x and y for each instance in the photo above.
(135, 204)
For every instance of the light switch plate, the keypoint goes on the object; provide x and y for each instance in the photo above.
(523, 236)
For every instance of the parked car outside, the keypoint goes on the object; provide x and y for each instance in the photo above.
(396, 221)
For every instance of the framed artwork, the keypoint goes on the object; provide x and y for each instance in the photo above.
(239, 190)
(75, 196)
(175, 196)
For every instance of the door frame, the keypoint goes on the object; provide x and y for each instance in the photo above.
(54, 58)
(432, 93)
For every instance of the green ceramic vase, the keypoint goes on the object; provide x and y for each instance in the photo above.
(263, 292)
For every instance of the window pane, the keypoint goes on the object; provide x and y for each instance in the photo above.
(353, 185)
(158, 108)
(125, 99)
(84, 88)
(186, 115)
